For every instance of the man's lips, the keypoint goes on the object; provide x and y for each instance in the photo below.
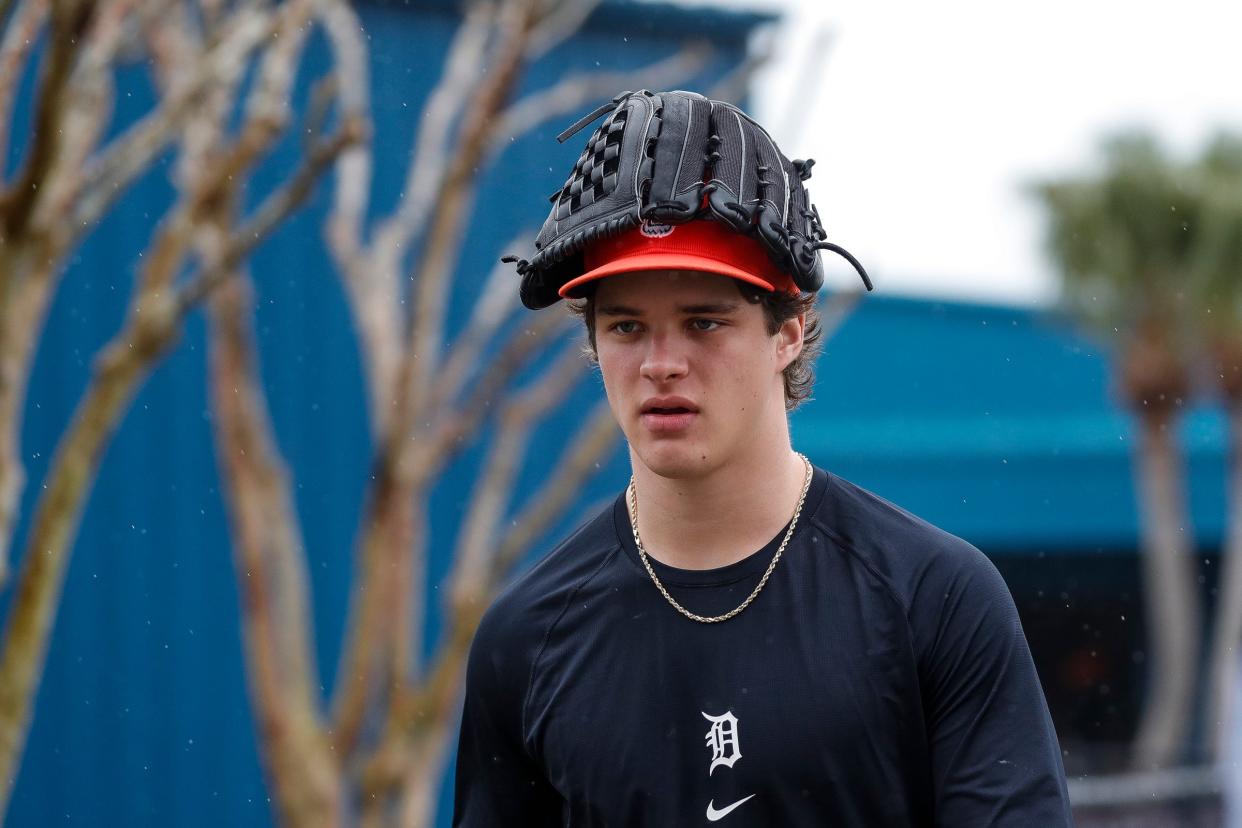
(668, 415)
(668, 405)
(669, 423)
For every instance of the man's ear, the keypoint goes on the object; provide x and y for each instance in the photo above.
(789, 340)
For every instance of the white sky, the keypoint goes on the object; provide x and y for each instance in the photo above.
(924, 119)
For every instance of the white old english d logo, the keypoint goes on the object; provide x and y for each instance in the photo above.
(722, 739)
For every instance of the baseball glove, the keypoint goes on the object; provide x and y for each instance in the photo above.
(668, 158)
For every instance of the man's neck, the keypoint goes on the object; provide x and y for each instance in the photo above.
(720, 518)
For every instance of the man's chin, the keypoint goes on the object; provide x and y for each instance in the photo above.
(675, 461)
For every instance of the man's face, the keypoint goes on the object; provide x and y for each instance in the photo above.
(691, 372)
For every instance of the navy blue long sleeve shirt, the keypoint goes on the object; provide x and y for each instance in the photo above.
(881, 678)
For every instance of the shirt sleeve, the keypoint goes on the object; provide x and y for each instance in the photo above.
(995, 756)
(497, 781)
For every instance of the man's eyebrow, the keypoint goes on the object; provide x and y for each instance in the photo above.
(617, 310)
(711, 308)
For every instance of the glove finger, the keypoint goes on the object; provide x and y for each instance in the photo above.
(807, 270)
(771, 198)
(676, 191)
(727, 187)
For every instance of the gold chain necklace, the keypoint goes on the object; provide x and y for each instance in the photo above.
(642, 553)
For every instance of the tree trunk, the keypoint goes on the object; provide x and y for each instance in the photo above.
(1227, 629)
(26, 286)
(421, 793)
(1170, 592)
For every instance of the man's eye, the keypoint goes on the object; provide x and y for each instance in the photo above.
(626, 326)
(704, 324)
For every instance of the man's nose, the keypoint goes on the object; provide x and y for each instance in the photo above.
(664, 359)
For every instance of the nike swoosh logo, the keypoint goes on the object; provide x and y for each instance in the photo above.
(713, 814)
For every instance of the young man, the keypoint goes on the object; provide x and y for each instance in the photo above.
(740, 638)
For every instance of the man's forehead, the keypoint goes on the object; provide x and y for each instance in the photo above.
(657, 289)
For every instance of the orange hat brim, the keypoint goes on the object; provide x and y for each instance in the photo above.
(705, 246)
(670, 261)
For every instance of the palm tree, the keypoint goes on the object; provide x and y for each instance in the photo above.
(1217, 268)
(1121, 239)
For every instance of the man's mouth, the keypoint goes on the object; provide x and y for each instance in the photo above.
(669, 405)
(668, 416)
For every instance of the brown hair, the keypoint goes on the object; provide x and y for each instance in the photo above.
(777, 308)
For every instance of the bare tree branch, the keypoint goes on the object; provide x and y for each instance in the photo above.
(27, 260)
(110, 171)
(22, 312)
(401, 474)
(496, 303)
(571, 94)
(430, 154)
(87, 105)
(421, 725)
(494, 485)
(268, 538)
(269, 98)
(270, 567)
(373, 292)
(353, 168)
(420, 731)
(442, 438)
(169, 36)
(582, 459)
(373, 281)
(349, 51)
(353, 171)
(371, 637)
(19, 39)
(68, 21)
(517, 418)
(453, 204)
(558, 27)
(267, 106)
(278, 206)
(403, 471)
(426, 766)
(363, 667)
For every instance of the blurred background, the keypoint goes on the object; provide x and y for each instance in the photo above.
(276, 429)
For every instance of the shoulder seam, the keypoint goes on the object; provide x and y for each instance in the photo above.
(534, 664)
(848, 548)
